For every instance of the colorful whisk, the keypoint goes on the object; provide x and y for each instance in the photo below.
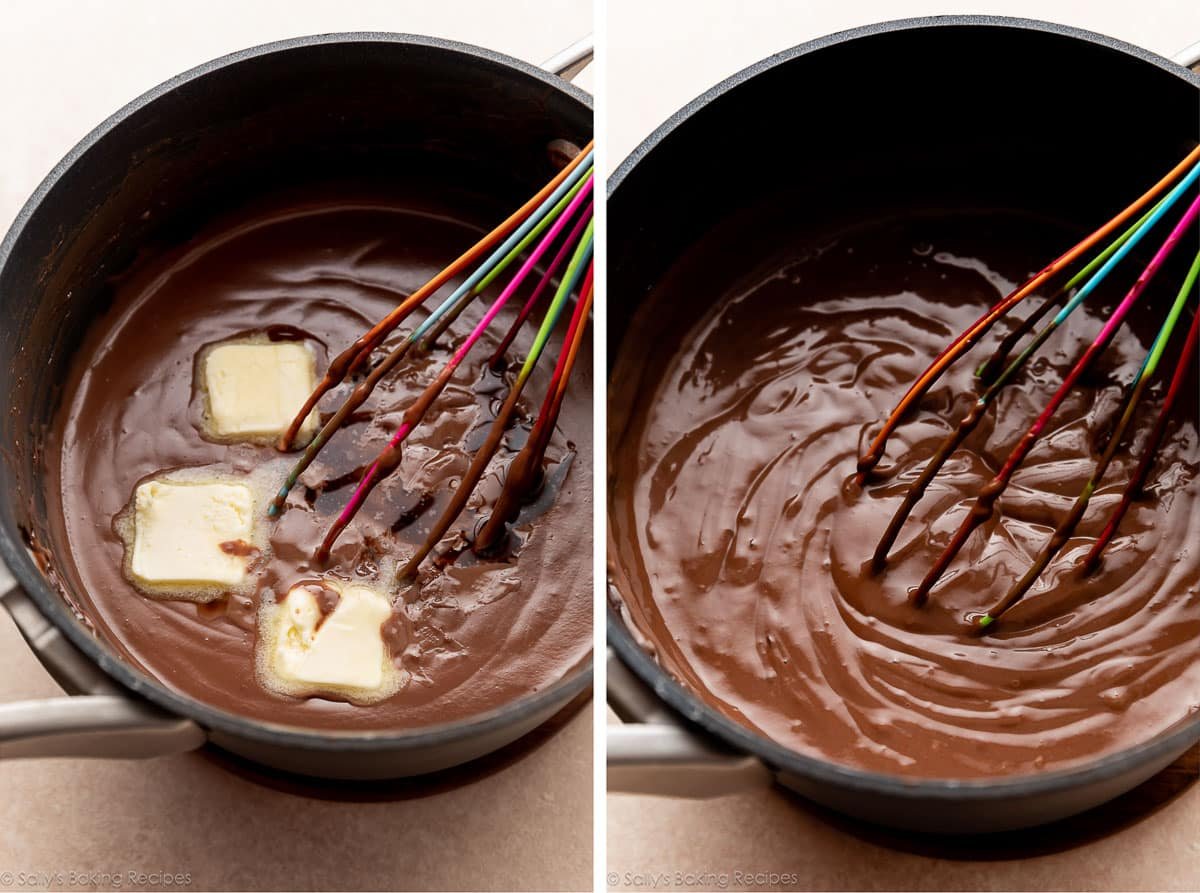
(560, 214)
(1162, 202)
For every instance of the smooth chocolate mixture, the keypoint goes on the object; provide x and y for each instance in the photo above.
(474, 634)
(740, 544)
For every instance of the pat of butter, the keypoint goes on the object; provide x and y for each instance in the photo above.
(344, 652)
(179, 529)
(255, 389)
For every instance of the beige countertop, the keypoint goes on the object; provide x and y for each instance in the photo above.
(1149, 840)
(520, 820)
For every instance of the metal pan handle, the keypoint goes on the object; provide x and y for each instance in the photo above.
(98, 720)
(651, 753)
(573, 59)
(1188, 57)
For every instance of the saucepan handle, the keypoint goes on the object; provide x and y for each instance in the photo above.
(651, 753)
(98, 720)
(1188, 57)
(573, 59)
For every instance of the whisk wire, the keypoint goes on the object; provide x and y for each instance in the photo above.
(389, 457)
(525, 469)
(994, 364)
(569, 182)
(984, 505)
(430, 335)
(1066, 528)
(351, 357)
(552, 270)
(485, 276)
(483, 456)
(1095, 273)
(1136, 482)
(968, 338)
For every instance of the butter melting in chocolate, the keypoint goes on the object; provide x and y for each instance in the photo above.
(322, 268)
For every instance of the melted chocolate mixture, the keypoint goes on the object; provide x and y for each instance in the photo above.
(740, 545)
(474, 634)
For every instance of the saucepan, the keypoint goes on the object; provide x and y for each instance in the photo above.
(954, 109)
(268, 117)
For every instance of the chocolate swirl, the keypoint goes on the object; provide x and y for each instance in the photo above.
(740, 545)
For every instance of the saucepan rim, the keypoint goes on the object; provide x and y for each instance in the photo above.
(698, 715)
(47, 599)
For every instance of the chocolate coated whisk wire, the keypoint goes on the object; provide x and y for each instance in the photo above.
(998, 371)
(563, 210)
(1064, 530)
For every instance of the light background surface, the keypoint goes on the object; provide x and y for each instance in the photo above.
(660, 56)
(64, 67)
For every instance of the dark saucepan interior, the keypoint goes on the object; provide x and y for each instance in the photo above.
(947, 117)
